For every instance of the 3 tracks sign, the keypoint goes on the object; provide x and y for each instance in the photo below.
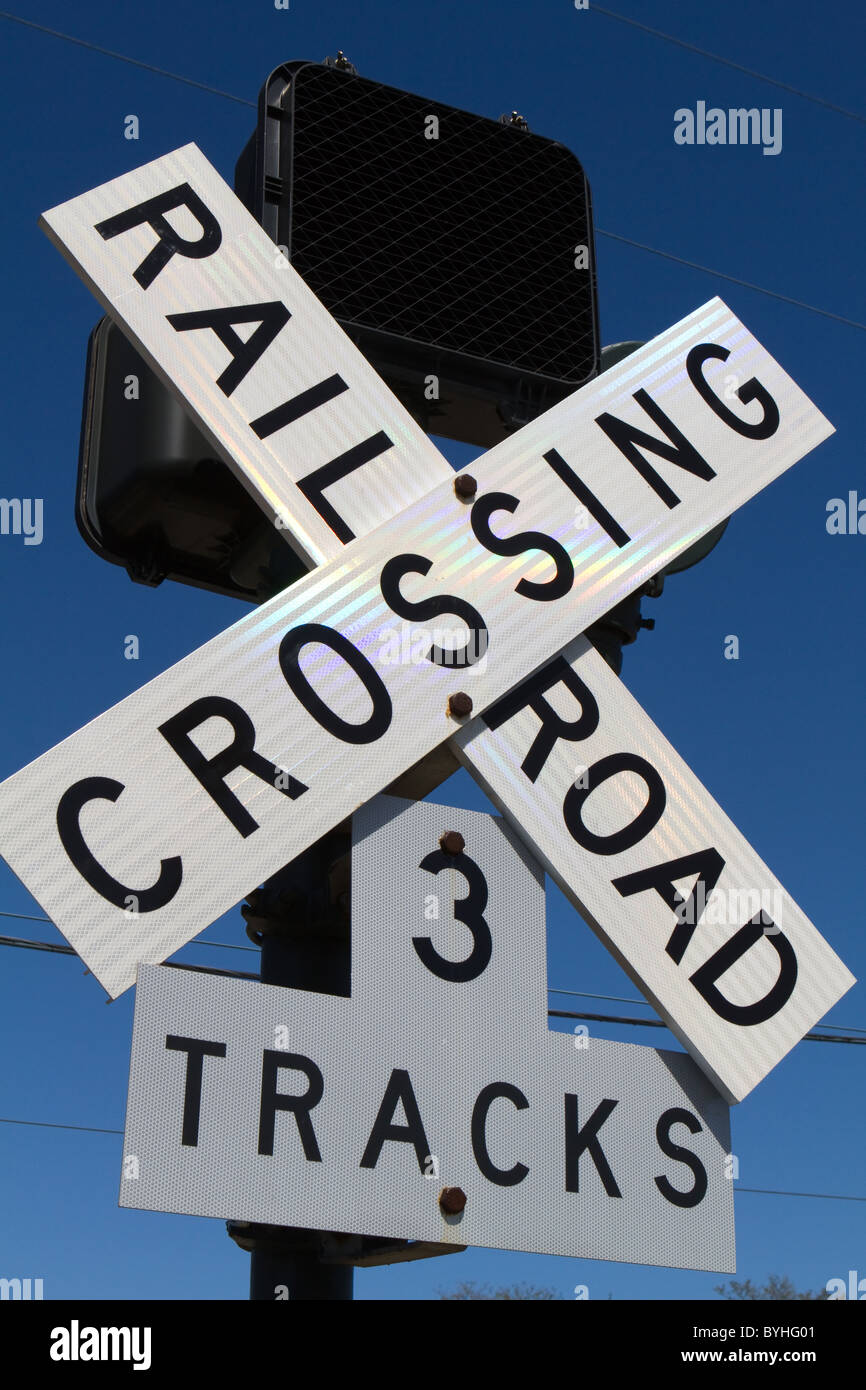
(292, 1108)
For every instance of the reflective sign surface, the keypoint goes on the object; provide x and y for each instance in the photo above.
(138, 831)
(261, 1103)
(652, 862)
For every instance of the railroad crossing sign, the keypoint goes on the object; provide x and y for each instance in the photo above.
(662, 875)
(276, 1105)
(141, 829)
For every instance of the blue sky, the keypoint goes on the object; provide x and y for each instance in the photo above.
(777, 736)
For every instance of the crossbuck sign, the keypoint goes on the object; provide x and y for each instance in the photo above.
(139, 830)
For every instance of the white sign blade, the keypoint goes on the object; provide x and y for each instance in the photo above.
(142, 828)
(279, 390)
(655, 866)
(353, 1114)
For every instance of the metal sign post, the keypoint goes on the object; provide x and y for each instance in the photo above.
(301, 922)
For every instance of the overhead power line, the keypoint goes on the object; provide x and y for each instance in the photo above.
(764, 1191)
(734, 280)
(46, 1124)
(25, 917)
(668, 255)
(238, 946)
(728, 63)
(27, 944)
(25, 941)
(645, 1004)
(777, 1192)
(597, 9)
(657, 1023)
(124, 58)
(58, 949)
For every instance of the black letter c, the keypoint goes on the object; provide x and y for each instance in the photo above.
(68, 811)
(503, 1177)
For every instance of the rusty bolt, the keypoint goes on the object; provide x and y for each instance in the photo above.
(452, 1200)
(465, 485)
(452, 842)
(459, 705)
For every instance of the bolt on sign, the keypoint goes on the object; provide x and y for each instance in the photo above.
(246, 752)
(433, 1104)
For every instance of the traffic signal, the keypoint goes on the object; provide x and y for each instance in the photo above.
(151, 495)
(454, 249)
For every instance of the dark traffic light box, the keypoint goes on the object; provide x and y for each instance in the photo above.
(445, 244)
(456, 251)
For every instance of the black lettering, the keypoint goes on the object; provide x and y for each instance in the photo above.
(503, 1177)
(211, 772)
(530, 693)
(751, 390)
(314, 484)
(272, 1100)
(469, 911)
(696, 1194)
(579, 1140)
(170, 242)
(424, 610)
(516, 545)
(706, 863)
(297, 406)
(704, 979)
(679, 451)
(68, 811)
(587, 498)
(196, 1051)
(631, 834)
(398, 1091)
(270, 317)
(380, 716)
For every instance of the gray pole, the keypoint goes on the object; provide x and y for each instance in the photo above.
(300, 918)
